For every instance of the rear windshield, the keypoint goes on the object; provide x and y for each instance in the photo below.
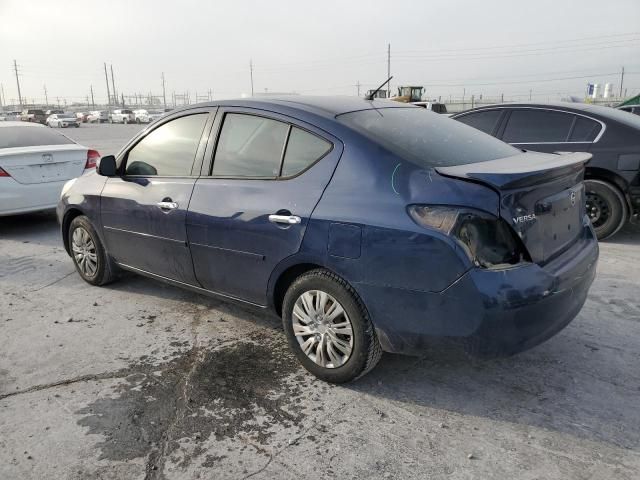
(426, 138)
(11, 137)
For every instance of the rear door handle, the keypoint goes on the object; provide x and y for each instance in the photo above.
(167, 205)
(285, 219)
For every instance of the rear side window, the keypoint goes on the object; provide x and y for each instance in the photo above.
(426, 138)
(250, 146)
(585, 130)
(11, 137)
(535, 126)
(484, 121)
(169, 150)
(303, 149)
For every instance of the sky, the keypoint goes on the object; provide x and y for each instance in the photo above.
(543, 48)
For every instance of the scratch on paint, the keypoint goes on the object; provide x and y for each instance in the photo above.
(392, 178)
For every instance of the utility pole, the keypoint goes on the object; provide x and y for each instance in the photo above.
(58, 99)
(210, 94)
(358, 86)
(389, 70)
(164, 93)
(46, 99)
(113, 84)
(4, 99)
(123, 100)
(92, 100)
(15, 68)
(106, 77)
(621, 82)
(250, 71)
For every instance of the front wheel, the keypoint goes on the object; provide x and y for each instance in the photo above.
(606, 207)
(328, 327)
(88, 254)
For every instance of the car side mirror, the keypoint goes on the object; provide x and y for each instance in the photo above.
(107, 166)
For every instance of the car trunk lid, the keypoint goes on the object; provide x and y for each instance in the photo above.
(43, 164)
(541, 196)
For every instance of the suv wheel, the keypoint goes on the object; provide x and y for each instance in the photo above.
(606, 207)
(328, 327)
(88, 254)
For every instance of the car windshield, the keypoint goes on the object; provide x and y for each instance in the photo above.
(11, 137)
(426, 138)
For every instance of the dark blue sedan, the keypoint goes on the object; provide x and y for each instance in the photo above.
(369, 226)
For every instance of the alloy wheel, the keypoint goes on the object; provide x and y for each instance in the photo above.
(84, 252)
(322, 328)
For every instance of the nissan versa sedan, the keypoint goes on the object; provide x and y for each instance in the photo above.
(612, 177)
(368, 226)
(35, 162)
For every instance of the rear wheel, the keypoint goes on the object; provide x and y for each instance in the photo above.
(328, 327)
(606, 207)
(88, 254)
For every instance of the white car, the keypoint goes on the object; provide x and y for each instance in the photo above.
(141, 116)
(98, 116)
(63, 120)
(35, 163)
(122, 116)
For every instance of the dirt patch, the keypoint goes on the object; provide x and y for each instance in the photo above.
(245, 388)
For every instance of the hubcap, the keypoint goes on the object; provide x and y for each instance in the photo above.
(84, 252)
(597, 209)
(322, 329)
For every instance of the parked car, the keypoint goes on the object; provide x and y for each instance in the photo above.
(141, 116)
(631, 109)
(35, 162)
(98, 116)
(52, 112)
(34, 116)
(156, 114)
(367, 225)
(10, 116)
(82, 116)
(63, 120)
(612, 177)
(122, 116)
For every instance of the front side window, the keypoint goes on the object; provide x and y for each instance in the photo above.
(484, 121)
(537, 126)
(249, 146)
(169, 150)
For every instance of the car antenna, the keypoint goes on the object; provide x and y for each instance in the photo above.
(372, 94)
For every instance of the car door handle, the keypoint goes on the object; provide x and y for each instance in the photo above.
(167, 205)
(285, 219)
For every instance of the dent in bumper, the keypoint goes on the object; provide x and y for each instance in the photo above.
(488, 312)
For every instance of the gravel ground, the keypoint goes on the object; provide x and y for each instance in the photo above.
(143, 380)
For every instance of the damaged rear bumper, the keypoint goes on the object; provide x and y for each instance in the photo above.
(488, 312)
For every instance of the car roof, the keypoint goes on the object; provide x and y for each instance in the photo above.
(326, 106)
(21, 124)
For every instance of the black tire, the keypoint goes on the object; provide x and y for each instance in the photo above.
(366, 350)
(606, 206)
(106, 270)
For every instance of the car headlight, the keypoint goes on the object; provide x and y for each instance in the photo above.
(487, 240)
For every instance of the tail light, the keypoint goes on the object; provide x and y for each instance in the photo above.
(487, 240)
(92, 159)
(3, 173)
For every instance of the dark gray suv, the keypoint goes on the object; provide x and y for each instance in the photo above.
(612, 177)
